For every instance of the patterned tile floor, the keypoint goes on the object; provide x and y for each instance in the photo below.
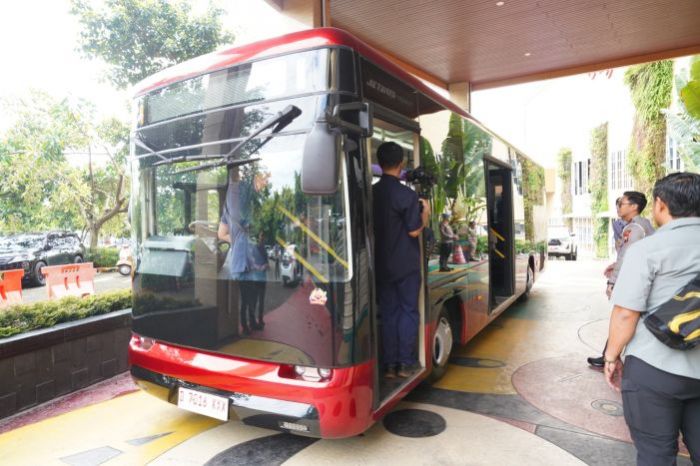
(520, 393)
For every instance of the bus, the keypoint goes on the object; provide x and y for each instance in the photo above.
(251, 214)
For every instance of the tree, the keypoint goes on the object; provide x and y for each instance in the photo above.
(684, 124)
(140, 37)
(41, 190)
(108, 191)
(38, 183)
(690, 91)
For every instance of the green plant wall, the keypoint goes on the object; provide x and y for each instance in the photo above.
(650, 87)
(598, 185)
(564, 174)
(533, 192)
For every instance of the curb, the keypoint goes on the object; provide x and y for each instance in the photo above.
(105, 269)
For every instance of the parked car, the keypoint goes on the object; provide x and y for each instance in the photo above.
(32, 251)
(562, 243)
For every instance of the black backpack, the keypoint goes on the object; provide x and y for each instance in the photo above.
(676, 323)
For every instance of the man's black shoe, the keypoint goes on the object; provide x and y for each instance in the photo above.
(445, 269)
(596, 362)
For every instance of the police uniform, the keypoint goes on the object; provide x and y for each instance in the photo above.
(397, 265)
(660, 385)
(638, 228)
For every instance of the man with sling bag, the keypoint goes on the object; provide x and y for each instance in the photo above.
(660, 385)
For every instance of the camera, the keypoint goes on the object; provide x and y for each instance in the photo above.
(423, 179)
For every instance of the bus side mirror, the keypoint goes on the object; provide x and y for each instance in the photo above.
(319, 165)
(364, 126)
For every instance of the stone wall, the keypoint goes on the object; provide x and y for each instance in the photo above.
(38, 366)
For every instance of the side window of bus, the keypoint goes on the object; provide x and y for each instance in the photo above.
(387, 132)
(452, 149)
(519, 213)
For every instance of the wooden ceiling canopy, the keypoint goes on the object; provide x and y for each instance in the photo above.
(491, 43)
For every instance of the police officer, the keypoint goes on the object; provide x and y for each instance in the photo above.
(398, 222)
(629, 208)
(660, 385)
(447, 236)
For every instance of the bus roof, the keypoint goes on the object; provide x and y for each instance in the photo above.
(294, 42)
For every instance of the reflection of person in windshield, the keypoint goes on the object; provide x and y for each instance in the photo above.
(236, 218)
(258, 276)
(234, 228)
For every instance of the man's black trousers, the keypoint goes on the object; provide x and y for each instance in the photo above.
(445, 250)
(657, 406)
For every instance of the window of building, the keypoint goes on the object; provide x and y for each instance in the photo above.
(612, 170)
(673, 158)
(588, 176)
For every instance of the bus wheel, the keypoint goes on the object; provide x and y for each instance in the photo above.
(442, 346)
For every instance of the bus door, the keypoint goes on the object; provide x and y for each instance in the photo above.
(389, 126)
(500, 235)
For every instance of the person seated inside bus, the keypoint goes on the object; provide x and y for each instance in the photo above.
(398, 222)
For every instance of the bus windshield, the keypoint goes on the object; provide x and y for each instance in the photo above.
(236, 259)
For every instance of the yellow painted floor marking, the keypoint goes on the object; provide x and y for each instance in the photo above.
(512, 341)
(107, 424)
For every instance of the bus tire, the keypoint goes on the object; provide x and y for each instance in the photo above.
(442, 343)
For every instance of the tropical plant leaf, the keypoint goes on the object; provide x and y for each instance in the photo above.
(690, 95)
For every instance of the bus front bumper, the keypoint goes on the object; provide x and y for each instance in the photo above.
(259, 411)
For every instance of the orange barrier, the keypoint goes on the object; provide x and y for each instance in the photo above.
(11, 287)
(69, 280)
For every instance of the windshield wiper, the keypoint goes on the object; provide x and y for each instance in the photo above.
(279, 121)
(139, 142)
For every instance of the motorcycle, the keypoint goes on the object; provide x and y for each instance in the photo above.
(125, 262)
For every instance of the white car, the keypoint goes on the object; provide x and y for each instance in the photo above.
(562, 244)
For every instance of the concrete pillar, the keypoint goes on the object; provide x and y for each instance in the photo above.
(460, 93)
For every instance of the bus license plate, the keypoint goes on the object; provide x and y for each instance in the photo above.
(203, 403)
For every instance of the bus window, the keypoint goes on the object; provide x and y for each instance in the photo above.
(384, 132)
(453, 149)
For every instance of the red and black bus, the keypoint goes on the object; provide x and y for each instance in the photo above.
(251, 212)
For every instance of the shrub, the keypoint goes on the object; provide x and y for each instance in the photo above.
(22, 318)
(102, 257)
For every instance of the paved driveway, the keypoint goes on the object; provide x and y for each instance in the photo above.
(520, 393)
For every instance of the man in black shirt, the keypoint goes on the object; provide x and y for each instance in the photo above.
(398, 222)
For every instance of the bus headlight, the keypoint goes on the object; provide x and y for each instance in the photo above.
(313, 374)
(144, 343)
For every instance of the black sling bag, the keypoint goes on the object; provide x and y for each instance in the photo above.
(676, 323)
